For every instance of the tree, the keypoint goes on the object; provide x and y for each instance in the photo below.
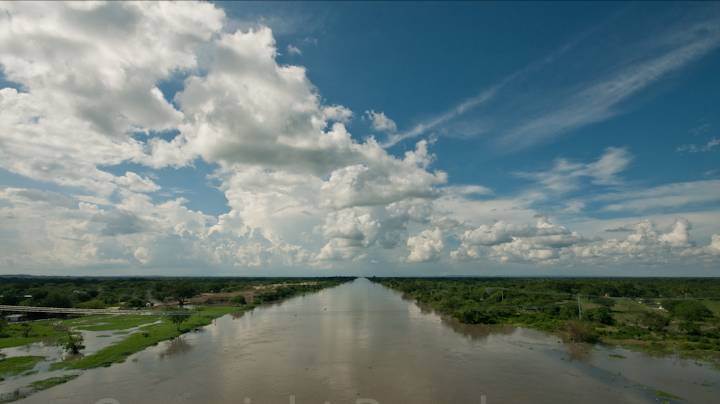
(179, 317)
(135, 303)
(182, 292)
(239, 300)
(56, 299)
(10, 298)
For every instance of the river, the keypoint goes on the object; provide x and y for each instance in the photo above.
(363, 343)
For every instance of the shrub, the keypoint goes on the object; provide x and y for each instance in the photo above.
(579, 331)
(654, 321)
(239, 300)
(473, 315)
(25, 330)
(568, 311)
(604, 301)
(690, 328)
(74, 343)
(134, 303)
(601, 315)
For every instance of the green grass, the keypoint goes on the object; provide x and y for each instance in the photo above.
(149, 336)
(17, 365)
(50, 382)
(52, 331)
(110, 322)
(42, 330)
(617, 356)
(665, 395)
(714, 306)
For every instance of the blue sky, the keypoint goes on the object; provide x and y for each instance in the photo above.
(415, 138)
(415, 63)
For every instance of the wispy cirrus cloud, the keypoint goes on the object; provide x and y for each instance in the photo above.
(483, 97)
(599, 100)
(447, 116)
(519, 111)
(712, 144)
(565, 176)
(668, 196)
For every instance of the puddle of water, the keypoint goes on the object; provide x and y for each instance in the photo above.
(93, 341)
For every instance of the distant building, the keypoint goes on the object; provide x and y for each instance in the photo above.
(14, 318)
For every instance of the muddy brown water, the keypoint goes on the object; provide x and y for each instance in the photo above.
(363, 343)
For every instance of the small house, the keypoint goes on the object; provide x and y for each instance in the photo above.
(14, 318)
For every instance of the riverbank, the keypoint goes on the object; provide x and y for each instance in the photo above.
(362, 340)
(660, 319)
(110, 338)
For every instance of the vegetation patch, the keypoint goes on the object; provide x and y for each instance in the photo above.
(212, 298)
(150, 335)
(171, 326)
(111, 322)
(52, 381)
(658, 316)
(665, 395)
(17, 365)
(18, 334)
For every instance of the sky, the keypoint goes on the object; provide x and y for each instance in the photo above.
(313, 139)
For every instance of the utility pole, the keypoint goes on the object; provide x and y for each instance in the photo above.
(579, 308)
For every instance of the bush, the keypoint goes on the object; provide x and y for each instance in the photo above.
(579, 331)
(473, 315)
(134, 303)
(654, 321)
(568, 311)
(25, 330)
(74, 344)
(604, 301)
(239, 300)
(601, 315)
(690, 328)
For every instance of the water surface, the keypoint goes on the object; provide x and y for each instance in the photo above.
(363, 341)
